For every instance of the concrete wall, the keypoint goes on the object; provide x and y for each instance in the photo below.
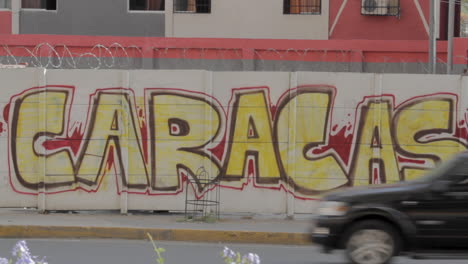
(108, 139)
(250, 19)
(89, 17)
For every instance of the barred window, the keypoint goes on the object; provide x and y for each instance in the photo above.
(146, 5)
(464, 28)
(5, 4)
(39, 4)
(192, 6)
(302, 7)
(380, 7)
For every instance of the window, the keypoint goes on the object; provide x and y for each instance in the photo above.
(5, 4)
(380, 7)
(302, 7)
(147, 5)
(460, 168)
(39, 4)
(457, 175)
(192, 6)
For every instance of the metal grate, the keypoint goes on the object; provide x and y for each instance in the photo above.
(40, 4)
(192, 6)
(202, 197)
(147, 5)
(380, 7)
(304, 7)
(464, 27)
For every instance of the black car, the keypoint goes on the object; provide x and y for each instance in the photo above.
(425, 218)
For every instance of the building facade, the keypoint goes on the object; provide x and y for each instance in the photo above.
(264, 19)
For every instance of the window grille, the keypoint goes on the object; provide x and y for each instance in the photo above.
(380, 7)
(304, 7)
(39, 4)
(192, 6)
(147, 5)
(464, 28)
(5, 4)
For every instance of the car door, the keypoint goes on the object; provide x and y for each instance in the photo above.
(440, 213)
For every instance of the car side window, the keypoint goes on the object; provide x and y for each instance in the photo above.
(458, 176)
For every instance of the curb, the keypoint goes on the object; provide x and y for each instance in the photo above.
(192, 235)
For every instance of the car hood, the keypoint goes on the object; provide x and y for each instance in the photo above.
(376, 193)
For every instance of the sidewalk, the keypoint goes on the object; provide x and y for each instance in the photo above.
(235, 228)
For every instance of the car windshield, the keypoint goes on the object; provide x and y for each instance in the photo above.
(440, 170)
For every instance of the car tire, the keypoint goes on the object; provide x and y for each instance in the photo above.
(371, 242)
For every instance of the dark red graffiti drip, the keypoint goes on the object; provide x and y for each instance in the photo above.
(72, 141)
(408, 160)
(218, 151)
(461, 131)
(144, 134)
(251, 168)
(1, 127)
(110, 158)
(6, 112)
(339, 142)
(273, 110)
(375, 178)
(184, 176)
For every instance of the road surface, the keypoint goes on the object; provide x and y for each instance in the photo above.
(60, 251)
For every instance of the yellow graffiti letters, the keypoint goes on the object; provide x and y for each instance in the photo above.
(39, 115)
(375, 159)
(173, 134)
(40, 121)
(112, 126)
(181, 126)
(251, 137)
(423, 130)
(308, 175)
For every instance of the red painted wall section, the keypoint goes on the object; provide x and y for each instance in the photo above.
(352, 25)
(5, 22)
(334, 8)
(191, 48)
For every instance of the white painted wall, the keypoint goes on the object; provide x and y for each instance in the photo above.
(285, 126)
(248, 19)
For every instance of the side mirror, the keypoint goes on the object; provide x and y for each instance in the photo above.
(440, 186)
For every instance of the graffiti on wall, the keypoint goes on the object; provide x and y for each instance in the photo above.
(152, 143)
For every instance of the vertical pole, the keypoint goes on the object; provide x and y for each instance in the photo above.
(432, 38)
(169, 18)
(42, 108)
(124, 130)
(15, 16)
(451, 18)
(291, 145)
(208, 166)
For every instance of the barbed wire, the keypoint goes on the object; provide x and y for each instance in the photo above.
(63, 57)
(117, 56)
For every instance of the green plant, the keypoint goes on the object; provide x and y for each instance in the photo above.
(158, 250)
(229, 256)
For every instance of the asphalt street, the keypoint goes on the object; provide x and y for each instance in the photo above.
(141, 252)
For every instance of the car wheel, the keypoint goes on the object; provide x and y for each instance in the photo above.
(371, 242)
